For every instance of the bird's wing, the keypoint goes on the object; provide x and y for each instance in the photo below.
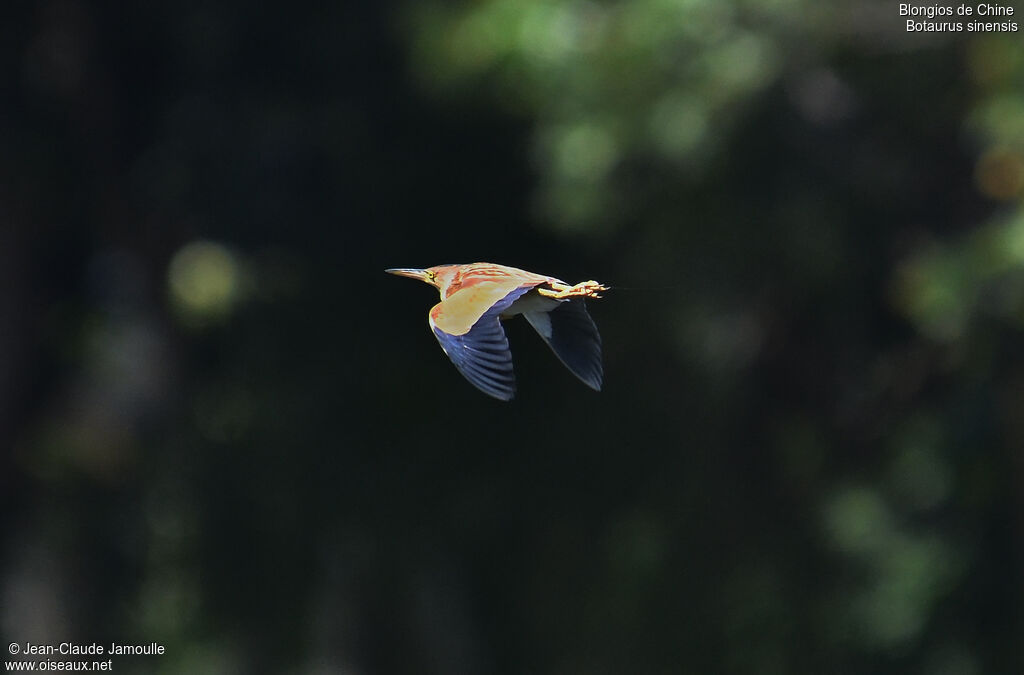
(573, 337)
(467, 325)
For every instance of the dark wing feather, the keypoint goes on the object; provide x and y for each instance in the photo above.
(573, 337)
(482, 354)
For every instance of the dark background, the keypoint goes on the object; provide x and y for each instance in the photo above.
(223, 429)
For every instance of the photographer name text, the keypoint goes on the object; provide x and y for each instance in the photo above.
(92, 649)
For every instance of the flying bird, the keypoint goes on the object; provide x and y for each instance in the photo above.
(475, 298)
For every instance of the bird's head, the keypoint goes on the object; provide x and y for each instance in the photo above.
(440, 276)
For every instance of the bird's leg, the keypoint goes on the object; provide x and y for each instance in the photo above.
(584, 289)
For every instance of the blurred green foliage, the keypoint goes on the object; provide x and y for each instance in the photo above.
(614, 88)
(230, 433)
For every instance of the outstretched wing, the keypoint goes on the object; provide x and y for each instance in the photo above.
(467, 325)
(573, 337)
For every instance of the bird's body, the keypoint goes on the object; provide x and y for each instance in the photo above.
(475, 298)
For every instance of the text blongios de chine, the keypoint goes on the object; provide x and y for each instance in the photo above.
(965, 12)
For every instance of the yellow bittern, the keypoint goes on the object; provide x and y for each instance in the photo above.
(476, 297)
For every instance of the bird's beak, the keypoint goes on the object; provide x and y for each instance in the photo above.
(410, 272)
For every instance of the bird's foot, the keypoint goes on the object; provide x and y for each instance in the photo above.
(584, 289)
